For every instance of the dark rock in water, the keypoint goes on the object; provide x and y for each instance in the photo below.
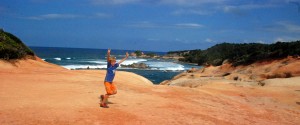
(136, 65)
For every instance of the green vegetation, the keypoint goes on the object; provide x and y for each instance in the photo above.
(240, 54)
(138, 53)
(12, 47)
(151, 55)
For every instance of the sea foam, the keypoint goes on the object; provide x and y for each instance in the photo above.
(153, 65)
(165, 66)
(131, 61)
(84, 66)
(57, 58)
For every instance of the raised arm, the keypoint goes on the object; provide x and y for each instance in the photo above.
(108, 55)
(124, 58)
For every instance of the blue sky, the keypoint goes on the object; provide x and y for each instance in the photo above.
(152, 25)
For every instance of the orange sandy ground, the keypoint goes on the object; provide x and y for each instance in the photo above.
(35, 92)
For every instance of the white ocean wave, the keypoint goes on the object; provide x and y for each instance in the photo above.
(126, 62)
(165, 66)
(98, 62)
(153, 64)
(68, 58)
(177, 68)
(57, 58)
(84, 66)
(131, 61)
(172, 69)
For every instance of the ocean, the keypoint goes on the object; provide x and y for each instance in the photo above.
(82, 58)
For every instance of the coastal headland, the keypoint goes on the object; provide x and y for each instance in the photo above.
(37, 92)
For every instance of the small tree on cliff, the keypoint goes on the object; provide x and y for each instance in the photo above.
(138, 53)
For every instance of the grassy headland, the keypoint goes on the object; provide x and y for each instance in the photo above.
(11, 47)
(240, 54)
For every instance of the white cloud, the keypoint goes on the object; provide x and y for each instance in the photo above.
(102, 15)
(144, 24)
(260, 41)
(153, 39)
(192, 11)
(288, 26)
(147, 24)
(189, 25)
(44, 1)
(229, 8)
(285, 39)
(209, 7)
(226, 5)
(67, 16)
(53, 16)
(159, 2)
(209, 40)
(183, 41)
(284, 26)
(241, 9)
(190, 2)
(279, 39)
(113, 2)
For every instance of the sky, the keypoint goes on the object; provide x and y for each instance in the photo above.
(150, 25)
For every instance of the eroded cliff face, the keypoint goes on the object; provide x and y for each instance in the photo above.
(254, 74)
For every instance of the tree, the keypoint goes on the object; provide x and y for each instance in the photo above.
(138, 53)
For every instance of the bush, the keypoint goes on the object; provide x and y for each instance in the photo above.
(138, 53)
(151, 54)
(12, 47)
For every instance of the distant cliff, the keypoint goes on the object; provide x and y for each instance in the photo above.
(12, 47)
(240, 54)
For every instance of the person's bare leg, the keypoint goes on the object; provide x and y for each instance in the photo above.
(101, 98)
(103, 102)
(106, 96)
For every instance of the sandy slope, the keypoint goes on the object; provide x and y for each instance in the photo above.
(35, 92)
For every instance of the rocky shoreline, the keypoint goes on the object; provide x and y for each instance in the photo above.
(254, 74)
(155, 56)
(136, 66)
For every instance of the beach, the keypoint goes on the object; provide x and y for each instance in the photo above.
(37, 92)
